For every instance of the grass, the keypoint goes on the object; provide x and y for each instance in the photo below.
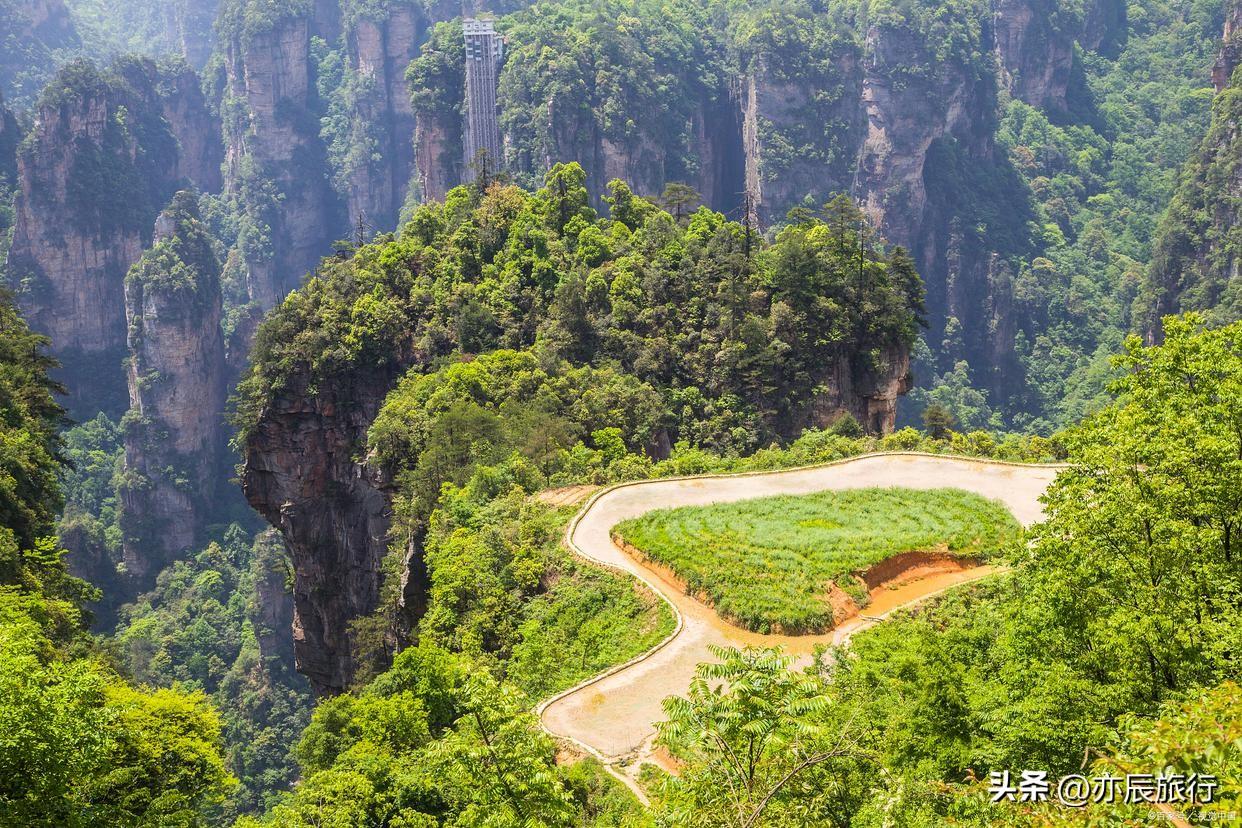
(586, 620)
(770, 563)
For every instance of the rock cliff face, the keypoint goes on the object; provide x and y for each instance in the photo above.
(379, 51)
(200, 150)
(302, 474)
(1231, 49)
(271, 609)
(275, 162)
(868, 393)
(438, 151)
(10, 138)
(188, 28)
(1036, 58)
(176, 377)
(103, 160)
(802, 127)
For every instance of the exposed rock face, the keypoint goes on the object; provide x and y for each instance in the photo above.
(196, 130)
(10, 138)
(176, 377)
(772, 103)
(326, 19)
(1231, 49)
(380, 51)
(869, 395)
(271, 609)
(902, 121)
(302, 475)
(188, 28)
(275, 162)
(1035, 57)
(437, 147)
(103, 160)
(717, 130)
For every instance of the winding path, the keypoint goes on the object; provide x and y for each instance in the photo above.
(613, 715)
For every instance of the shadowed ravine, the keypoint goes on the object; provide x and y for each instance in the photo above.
(613, 716)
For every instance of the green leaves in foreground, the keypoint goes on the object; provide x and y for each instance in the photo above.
(760, 745)
(79, 747)
(435, 741)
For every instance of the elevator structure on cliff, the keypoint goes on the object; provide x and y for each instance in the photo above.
(485, 49)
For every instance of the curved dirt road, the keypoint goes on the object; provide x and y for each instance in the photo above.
(613, 716)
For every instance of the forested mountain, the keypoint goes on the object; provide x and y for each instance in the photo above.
(325, 379)
(1196, 260)
(81, 746)
(701, 331)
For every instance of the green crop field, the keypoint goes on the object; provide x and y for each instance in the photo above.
(769, 563)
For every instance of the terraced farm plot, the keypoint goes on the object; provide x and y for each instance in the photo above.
(771, 563)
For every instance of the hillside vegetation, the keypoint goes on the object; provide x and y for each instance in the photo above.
(79, 745)
(1116, 638)
(771, 563)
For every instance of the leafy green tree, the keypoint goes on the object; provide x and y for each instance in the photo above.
(679, 199)
(80, 747)
(938, 421)
(30, 419)
(757, 745)
(497, 768)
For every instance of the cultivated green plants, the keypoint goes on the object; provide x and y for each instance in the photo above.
(775, 562)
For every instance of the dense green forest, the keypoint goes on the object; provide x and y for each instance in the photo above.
(1113, 638)
(724, 336)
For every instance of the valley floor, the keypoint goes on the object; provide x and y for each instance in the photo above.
(613, 716)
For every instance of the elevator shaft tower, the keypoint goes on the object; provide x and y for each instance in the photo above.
(485, 49)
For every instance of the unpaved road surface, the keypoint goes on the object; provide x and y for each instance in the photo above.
(614, 717)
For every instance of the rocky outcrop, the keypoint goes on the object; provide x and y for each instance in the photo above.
(174, 432)
(903, 119)
(325, 19)
(200, 149)
(1231, 49)
(380, 50)
(10, 138)
(1035, 42)
(271, 606)
(777, 113)
(302, 475)
(717, 143)
(1036, 56)
(105, 156)
(188, 29)
(438, 155)
(275, 163)
(868, 393)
